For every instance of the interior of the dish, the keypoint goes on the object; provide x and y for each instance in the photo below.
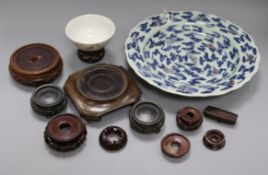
(191, 52)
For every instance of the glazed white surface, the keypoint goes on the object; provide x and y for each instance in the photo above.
(149, 67)
(90, 32)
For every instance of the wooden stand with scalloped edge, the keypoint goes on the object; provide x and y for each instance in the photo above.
(93, 110)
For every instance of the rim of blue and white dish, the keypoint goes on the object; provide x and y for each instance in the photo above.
(247, 53)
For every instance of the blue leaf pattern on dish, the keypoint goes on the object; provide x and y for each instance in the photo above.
(192, 53)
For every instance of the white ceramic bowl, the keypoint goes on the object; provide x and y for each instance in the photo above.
(90, 32)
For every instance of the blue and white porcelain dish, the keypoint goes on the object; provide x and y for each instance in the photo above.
(192, 53)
